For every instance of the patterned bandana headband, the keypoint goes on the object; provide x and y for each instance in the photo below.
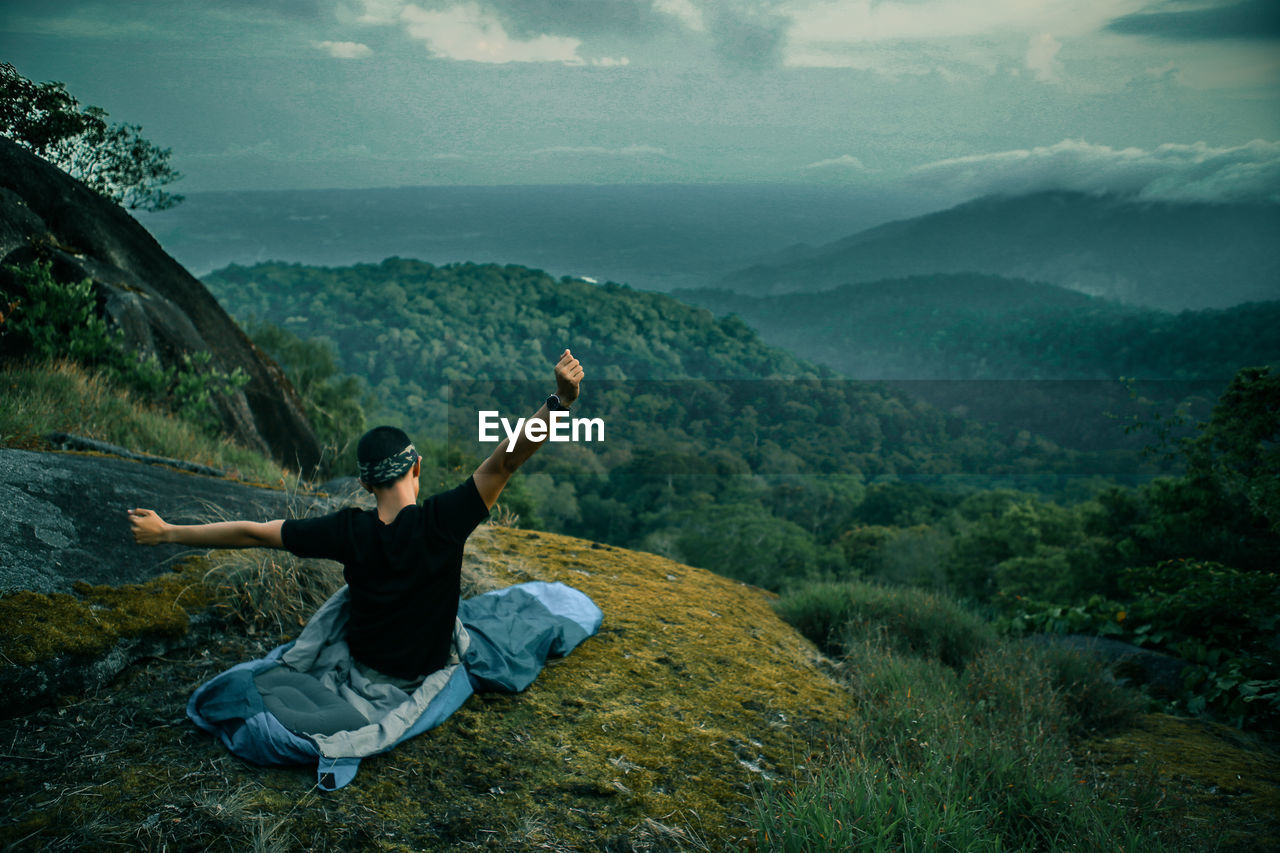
(390, 469)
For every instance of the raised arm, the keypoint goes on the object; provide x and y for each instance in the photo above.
(492, 475)
(150, 529)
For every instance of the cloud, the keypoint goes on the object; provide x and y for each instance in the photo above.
(870, 21)
(744, 33)
(468, 32)
(379, 12)
(844, 161)
(689, 15)
(747, 34)
(1250, 19)
(1173, 171)
(1042, 58)
(597, 150)
(301, 10)
(585, 18)
(929, 36)
(345, 49)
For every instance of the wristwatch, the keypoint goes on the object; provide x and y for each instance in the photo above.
(554, 404)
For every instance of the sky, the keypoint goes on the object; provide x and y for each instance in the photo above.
(1167, 99)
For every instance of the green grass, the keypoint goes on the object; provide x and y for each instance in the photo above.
(951, 749)
(39, 398)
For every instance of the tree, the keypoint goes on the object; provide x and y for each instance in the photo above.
(1239, 448)
(114, 160)
(330, 398)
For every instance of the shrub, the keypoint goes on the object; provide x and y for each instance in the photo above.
(836, 616)
(38, 398)
(1093, 699)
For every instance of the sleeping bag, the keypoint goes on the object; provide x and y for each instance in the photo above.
(309, 701)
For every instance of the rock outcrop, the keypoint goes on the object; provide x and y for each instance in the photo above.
(163, 310)
(79, 601)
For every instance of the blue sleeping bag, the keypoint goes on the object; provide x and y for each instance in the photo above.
(308, 701)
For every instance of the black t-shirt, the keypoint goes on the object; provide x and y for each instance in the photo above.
(403, 577)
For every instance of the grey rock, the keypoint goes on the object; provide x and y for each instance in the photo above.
(62, 517)
(1160, 673)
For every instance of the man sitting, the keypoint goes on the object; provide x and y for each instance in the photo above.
(402, 562)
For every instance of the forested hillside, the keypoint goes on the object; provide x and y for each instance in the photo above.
(710, 433)
(1074, 348)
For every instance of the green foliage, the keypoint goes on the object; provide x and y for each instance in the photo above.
(114, 160)
(1098, 615)
(746, 542)
(1093, 699)
(860, 546)
(839, 616)
(1221, 621)
(971, 326)
(1239, 449)
(37, 398)
(903, 504)
(1008, 544)
(1227, 506)
(697, 448)
(52, 320)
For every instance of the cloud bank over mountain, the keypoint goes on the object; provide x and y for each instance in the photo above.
(1169, 172)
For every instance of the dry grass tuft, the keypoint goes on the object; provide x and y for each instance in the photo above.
(36, 399)
(273, 590)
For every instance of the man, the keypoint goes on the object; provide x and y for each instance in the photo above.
(402, 562)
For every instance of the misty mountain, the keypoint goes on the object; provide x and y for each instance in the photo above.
(1171, 256)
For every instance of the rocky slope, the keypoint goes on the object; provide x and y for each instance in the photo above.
(163, 310)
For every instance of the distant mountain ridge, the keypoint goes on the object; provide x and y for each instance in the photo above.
(971, 326)
(1156, 254)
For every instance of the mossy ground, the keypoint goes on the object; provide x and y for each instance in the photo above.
(650, 736)
(38, 626)
(1228, 780)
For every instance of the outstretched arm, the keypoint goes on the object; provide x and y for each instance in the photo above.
(151, 529)
(492, 475)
